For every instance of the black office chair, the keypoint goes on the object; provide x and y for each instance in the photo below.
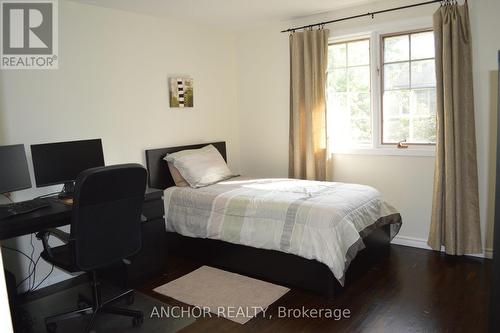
(105, 229)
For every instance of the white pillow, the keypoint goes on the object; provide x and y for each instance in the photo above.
(176, 176)
(200, 167)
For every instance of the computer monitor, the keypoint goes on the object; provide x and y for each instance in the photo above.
(62, 162)
(14, 173)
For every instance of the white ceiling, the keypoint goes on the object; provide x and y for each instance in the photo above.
(231, 14)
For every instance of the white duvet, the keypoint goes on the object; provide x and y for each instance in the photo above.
(324, 221)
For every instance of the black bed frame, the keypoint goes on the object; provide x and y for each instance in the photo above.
(273, 266)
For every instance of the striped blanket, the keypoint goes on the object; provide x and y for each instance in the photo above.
(315, 220)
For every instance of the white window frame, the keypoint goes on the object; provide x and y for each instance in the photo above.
(377, 148)
(382, 84)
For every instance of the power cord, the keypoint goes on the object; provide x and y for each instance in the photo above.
(33, 287)
(45, 278)
(16, 250)
(31, 278)
(32, 264)
(27, 257)
(7, 196)
(32, 273)
(31, 257)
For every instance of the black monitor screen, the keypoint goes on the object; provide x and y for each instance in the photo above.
(14, 174)
(59, 163)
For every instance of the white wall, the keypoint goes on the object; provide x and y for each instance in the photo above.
(485, 26)
(405, 181)
(263, 93)
(112, 84)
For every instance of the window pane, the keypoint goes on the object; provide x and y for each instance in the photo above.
(338, 102)
(396, 76)
(423, 74)
(423, 130)
(361, 131)
(350, 119)
(424, 102)
(422, 45)
(396, 48)
(359, 79)
(423, 121)
(358, 53)
(396, 103)
(338, 80)
(349, 99)
(360, 106)
(396, 130)
(409, 93)
(338, 119)
(337, 55)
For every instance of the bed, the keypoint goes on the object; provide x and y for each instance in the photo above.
(252, 226)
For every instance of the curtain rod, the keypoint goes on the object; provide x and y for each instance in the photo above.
(363, 15)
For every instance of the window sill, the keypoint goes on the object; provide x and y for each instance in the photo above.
(388, 152)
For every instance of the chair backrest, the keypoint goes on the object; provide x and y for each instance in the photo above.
(106, 220)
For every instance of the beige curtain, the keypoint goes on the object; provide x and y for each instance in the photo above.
(308, 66)
(455, 209)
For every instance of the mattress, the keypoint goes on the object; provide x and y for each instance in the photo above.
(325, 221)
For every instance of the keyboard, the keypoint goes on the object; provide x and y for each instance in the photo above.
(22, 207)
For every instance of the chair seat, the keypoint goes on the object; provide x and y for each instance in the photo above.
(61, 257)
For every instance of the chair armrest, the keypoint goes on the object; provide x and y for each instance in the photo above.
(45, 234)
(59, 234)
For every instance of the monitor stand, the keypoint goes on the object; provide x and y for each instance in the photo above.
(67, 191)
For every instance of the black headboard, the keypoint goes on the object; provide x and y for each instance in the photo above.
(158, 173)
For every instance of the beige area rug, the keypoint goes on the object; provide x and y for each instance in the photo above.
(229, 295)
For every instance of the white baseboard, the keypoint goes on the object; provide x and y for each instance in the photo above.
(422, 244)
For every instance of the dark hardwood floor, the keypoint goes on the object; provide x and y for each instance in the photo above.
(410, 290)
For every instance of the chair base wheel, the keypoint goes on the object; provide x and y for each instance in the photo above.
(82, 302)
(82, 305)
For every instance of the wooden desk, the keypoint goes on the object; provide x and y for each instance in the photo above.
(149, 262)
(58, 215)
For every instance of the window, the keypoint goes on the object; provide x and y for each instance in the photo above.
(409, 89)
(349, 98)
(382, 90)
